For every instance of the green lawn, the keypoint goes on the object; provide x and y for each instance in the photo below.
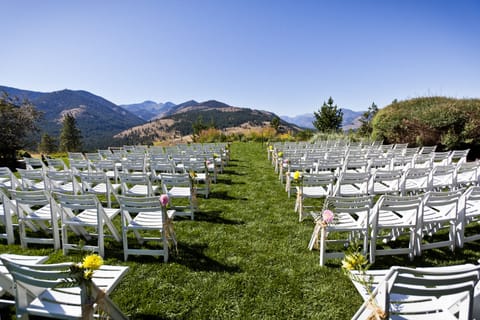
(244, 256)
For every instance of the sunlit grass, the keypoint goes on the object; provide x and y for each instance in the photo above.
(244, 256)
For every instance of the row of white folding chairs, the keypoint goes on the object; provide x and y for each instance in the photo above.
(375, 227)
(413, 180)
(56, 218)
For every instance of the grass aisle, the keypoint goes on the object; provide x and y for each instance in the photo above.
(244, 257)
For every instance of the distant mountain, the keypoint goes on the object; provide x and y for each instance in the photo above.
(350, 119)
(97, 118)
(179, 122)
(148, 110)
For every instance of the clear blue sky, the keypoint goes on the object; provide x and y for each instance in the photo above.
(284, 56)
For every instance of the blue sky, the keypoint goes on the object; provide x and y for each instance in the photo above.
(284, 56)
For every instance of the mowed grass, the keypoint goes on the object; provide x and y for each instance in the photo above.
(244, 256)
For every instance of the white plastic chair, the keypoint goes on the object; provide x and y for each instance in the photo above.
(351, 225)
(391, 217)
(35, 211)
(8, 180)
(179, 186)
(469, 215)
(444, 177)
(466, 174)
(85, 216)
(137, 184)
(32, 179)
(142, 216)
(313, 186)
(39, 292)
(386, 182)
(97, 182)
(422, 293)
(440, 212)
(352, 184)
(62, 181)
(7, 210)
(416, 181)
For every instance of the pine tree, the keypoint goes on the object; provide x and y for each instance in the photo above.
(366, 120)
(48, 144)
(70, 137)
(329, 118)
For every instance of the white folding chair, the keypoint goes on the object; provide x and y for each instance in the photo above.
(32, 179)
(7, 210)
(56, 164)
(440, 212)
(137, 184)
(35, 210)
(179, 186)
(62, 181)
(201, 176)
(416, 181)
(421, 293)
(469, 215)
(352, 184)
(39, 292)
(85, 216)
(466, 174)
(144, 216)
(97, 182)
(386, 182)
(443, 177)
(8, 180)
(391, 217)
(351, 226)
(313, 186)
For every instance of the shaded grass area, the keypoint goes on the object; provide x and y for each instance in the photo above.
(244, 256)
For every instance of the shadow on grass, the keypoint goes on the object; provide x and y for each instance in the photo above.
(214, 217)
(192, 256)
(223, 195)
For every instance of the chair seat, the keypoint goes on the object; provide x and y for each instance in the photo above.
(43, 213)
(89, 216)
(179, 192)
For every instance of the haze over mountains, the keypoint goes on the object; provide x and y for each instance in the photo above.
(104, 123)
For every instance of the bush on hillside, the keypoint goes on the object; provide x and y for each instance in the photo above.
(446, 122)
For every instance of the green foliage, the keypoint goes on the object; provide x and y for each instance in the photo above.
(366, 129)
(70, 137)
(48, 144)
(328, 118)
(275, 123)
(451, 123)
(17, 120)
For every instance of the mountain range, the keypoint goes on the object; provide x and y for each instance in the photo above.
(103, 123)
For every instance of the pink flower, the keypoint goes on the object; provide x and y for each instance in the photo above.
(164, 200)
(327, 216)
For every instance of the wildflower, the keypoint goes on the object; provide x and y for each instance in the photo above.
(92, 262)
(354, 261)
(280, 154)
(164, 200)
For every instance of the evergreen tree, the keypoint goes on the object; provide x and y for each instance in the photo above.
(275, 123)
(328, 118)
(17, 120)
(366, 120)
(70, 137)
(48, 144)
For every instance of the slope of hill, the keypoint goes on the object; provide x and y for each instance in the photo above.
(350, 119)
(149, 110)
(183, 117)
(97, 118)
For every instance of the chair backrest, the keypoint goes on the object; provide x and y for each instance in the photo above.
(56, 164)
(33, 179)
(175, 179)
(406, 289)
(8, 179)
(139, 204)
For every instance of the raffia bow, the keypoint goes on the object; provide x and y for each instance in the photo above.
(169, 230)
(377, 312)
(88, 306)
(320, 226)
